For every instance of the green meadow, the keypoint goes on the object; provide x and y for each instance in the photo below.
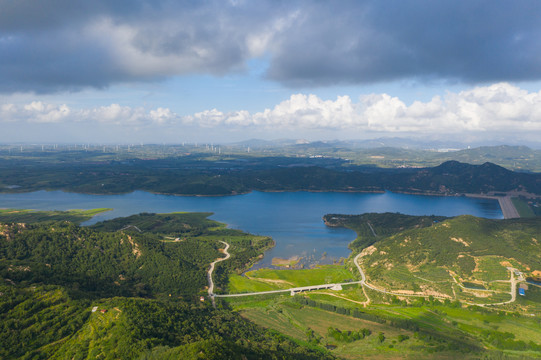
(275, 279)
(425, 329)
(34, 216)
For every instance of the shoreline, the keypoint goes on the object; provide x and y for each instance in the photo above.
(507, 207)
(509, 210)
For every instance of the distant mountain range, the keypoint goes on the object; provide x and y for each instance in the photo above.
(398, 152)
(449, 178)
(404, 143)
(319, 166)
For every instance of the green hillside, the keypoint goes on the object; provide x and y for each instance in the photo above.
(465, 258)
(33, 216)
(451, 257)
(125, 257)
(143, 275)
(44, 322)
(436, 288)
(130, 288)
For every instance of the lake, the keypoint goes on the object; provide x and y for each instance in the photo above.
(293, 219)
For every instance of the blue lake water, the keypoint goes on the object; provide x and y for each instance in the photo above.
(293, 219)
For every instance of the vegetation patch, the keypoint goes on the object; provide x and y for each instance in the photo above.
(35, 216)
(288, 263)
(243, 284)
(473, 286)
(522, 206)
(324, 274)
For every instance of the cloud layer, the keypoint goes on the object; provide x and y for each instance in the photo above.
(55, 45)
(483, 112)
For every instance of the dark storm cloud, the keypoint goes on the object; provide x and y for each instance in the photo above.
(383, 40)
(52, 45)
(40, 65)
(27, 15)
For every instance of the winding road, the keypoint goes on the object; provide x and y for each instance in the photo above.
(209, 274)
(363, 282)
(512, 292)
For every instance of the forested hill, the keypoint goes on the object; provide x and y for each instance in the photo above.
(456, 177)
(143, 276)
(177, 176)
(142, 255)
(448, 257)
(451, 177)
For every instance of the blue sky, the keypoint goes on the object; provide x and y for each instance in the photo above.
(124, 71)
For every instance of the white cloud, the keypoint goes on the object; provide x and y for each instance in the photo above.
(114, 114)
(498, 109)
(34, 112)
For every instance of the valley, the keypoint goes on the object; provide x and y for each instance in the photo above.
(445, 306)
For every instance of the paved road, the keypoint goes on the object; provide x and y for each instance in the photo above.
(295, 289)
(209, 274)
(253, 293)
(363, 282)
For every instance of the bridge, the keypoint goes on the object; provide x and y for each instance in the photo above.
(292, 291)
(297, 290)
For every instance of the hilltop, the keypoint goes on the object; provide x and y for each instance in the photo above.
(464, 258)
(456, 177)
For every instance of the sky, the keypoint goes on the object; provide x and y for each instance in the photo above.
(164, 71)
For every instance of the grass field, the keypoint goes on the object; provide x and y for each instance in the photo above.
(443, 326)
(321, 275)
(299, 322)
(34, 216)
(490, 268)
(272, 279)
(522, 207)
(347, 299)
(241, 284)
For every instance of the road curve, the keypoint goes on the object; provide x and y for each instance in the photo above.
(363, 283)
(363, 277)
(513, 291)
(209, 274)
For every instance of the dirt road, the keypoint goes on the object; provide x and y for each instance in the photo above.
(209, 274)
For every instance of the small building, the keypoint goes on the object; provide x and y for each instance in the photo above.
(103, 311)
(523, 286)
(522, 292)
(201, 299)
(94, 309)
